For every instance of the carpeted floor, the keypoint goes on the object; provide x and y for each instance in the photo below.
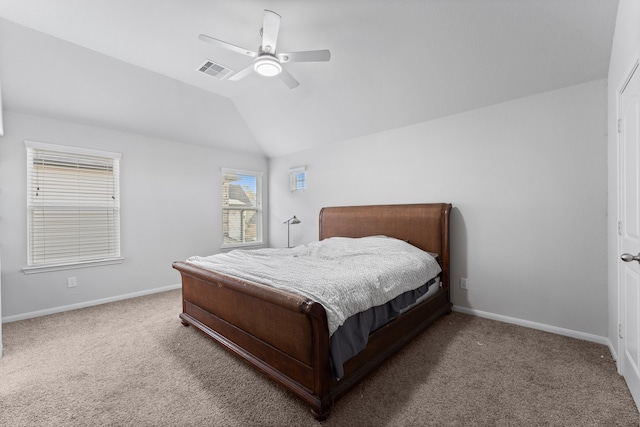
(132, 363)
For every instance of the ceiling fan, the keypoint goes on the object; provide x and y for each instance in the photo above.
(267, 61)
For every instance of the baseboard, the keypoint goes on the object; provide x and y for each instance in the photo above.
(614, 351)
(506, 319)
(540, 326)
(85, 304)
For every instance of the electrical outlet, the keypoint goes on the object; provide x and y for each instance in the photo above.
(72, 282)
(464, 283)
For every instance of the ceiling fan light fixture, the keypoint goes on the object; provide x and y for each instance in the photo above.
(267, 66)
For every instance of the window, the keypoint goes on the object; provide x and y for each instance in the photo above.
(73, 207)
(297, 178)
(241, 207)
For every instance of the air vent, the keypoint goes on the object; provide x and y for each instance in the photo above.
(213, 69)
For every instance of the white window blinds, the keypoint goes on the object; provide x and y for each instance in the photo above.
(73, 204)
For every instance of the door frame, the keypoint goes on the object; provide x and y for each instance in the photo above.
(620, 350)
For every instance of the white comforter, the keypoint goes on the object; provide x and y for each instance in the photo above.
(345, 275)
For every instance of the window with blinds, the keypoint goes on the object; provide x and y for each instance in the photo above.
(241, 208)
(73, 205)
(297, 178)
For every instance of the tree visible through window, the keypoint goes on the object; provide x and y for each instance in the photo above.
(241, 207)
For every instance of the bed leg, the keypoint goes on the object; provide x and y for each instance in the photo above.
(184, 322)
(321, 416)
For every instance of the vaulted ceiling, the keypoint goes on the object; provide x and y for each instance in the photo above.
(132, 64)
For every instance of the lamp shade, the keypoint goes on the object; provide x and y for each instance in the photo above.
(293, 220)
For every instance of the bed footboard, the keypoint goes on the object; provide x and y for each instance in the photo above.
(283, 335)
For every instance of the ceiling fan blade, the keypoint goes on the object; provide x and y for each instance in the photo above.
(306, 56)
(229, 46)
(288, 79)
(242, 73)
(270, 29)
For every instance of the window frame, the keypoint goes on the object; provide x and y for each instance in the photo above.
(298, 179)
(225, 244)
(32, 207)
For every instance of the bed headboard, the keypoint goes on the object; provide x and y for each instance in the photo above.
(425, 226)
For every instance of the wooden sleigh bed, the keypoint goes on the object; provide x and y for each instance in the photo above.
(285, 335)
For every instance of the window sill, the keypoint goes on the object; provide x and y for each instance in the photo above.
(82, 264)
(229, 247)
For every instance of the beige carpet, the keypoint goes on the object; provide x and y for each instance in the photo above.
(132, 363)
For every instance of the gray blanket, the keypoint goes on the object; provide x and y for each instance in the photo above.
(345, 275)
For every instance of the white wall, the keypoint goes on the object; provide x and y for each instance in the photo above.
(527, 179)
(170, 209)
(624, 54)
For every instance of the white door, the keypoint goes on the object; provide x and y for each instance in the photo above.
(629, 235)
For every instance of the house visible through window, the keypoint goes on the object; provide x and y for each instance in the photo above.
(73, 206)
(241, 207)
